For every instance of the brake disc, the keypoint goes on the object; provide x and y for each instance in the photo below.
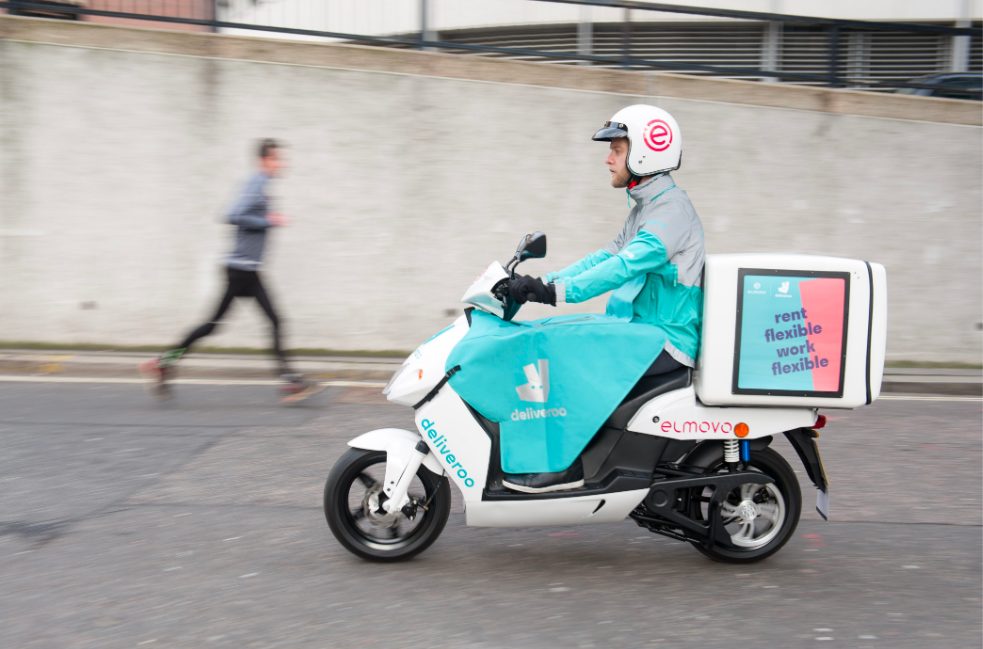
(372, 505)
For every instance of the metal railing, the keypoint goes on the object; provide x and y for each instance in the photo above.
(205, 14)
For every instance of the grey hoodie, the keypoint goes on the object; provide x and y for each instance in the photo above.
(249, 213)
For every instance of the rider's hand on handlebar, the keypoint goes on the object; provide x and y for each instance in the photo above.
(532, 289)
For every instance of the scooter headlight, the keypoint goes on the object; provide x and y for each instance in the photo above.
(396, 375)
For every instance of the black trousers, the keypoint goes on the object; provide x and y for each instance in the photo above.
(242, 283)
(663, 363)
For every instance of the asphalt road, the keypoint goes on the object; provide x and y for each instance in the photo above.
(197, 523)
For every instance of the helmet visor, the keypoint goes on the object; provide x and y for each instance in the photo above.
(611, 131)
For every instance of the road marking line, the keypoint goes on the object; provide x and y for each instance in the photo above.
(914, 398)
(10, 378)
(352, 384)
(124, 381)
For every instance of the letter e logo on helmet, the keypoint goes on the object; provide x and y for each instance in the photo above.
(663, 141)
(658, 135)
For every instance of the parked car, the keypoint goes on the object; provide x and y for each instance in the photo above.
(954, 85)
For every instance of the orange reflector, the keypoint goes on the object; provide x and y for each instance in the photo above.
(741, 430)
(420, 375)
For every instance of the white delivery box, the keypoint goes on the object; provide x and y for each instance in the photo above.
(792, 330)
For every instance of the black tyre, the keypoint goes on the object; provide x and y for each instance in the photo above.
(759, 518)
(352, 496)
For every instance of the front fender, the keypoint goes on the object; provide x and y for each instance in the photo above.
(398, 444)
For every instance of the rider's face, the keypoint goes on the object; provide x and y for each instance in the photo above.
(616, 162)
(274, 163)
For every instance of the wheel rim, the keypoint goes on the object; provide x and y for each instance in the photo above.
(361, 500)
(753, 515)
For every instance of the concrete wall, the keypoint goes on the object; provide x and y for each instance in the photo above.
(119, 153)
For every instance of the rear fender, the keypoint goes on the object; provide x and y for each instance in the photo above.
(803, 440)
(399, 445)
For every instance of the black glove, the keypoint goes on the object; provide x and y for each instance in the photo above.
(532, 289)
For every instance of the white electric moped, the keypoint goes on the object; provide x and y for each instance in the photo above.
(700, 474)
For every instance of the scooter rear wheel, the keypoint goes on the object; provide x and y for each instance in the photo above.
(759, 518)
(352, 504)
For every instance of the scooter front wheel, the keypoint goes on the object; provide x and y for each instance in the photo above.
(353, 507)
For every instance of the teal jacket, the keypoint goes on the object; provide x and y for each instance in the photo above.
(654, 266)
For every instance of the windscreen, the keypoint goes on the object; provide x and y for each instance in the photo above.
(791, 332)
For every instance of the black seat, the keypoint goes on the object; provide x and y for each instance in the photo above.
(645, 390)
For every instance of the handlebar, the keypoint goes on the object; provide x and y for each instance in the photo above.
(501, 292)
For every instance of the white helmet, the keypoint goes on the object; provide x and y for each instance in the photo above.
(655, 144)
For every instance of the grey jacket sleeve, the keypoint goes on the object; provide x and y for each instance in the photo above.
(250, 210)
(619, 241)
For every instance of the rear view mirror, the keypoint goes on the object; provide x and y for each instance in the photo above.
(532, 246)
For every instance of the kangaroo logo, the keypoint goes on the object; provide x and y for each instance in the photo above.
(783, 288)
(538, 387)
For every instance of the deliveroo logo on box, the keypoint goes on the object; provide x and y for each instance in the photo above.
(537, 390)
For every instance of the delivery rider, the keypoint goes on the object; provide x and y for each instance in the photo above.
(654, 266)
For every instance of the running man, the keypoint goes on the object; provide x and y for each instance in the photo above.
(253, 217)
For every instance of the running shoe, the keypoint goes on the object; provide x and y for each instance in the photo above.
(156, 376)
(297, 388)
